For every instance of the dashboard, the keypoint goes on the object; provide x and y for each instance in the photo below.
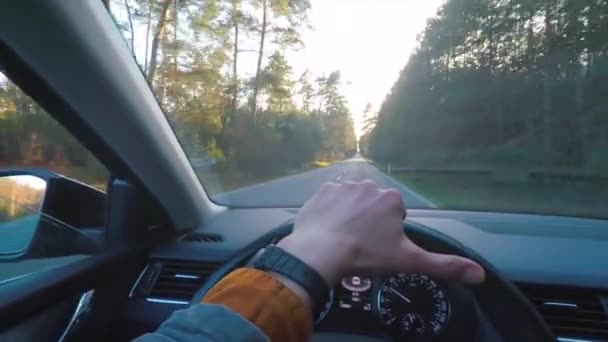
(557, 262)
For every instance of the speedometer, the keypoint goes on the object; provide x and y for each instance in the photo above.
(413, 306)
(326, 307)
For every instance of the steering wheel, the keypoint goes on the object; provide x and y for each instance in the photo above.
(510, 313)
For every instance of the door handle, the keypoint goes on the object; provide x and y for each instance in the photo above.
(82, 309)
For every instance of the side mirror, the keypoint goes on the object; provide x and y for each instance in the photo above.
(21, 201)
(44, 215)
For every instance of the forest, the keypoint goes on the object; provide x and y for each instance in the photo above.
(503, 101)
(249, 124)
(502, 84)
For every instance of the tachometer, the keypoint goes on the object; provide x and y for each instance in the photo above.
(413, 306)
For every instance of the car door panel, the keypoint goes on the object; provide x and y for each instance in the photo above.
(47, 325)
(132, 224)
(26, 298)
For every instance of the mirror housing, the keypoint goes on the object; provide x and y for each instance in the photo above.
(21, 201)
(54, 225)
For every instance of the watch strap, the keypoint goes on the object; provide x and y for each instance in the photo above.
(275, 259)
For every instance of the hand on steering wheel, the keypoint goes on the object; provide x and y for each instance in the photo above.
(357, 228)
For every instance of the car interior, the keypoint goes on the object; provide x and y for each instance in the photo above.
(124, 259)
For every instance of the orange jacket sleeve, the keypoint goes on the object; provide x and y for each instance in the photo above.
(264, 301)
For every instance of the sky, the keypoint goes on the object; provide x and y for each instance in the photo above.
(369, 41)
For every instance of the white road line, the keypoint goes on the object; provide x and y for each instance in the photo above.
(340, 176)
(411, 192)
(418, 196)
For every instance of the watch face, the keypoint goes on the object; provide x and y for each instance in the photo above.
(324, 310)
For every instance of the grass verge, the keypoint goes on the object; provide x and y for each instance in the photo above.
(484, 193)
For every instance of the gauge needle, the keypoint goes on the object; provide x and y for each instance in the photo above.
(400, 295)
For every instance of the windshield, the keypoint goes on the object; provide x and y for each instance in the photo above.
(489, 105)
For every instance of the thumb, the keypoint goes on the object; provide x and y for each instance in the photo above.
(441, 266)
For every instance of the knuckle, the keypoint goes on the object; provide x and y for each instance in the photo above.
(348, 184)
(450, 263)
(328, 185)
(393, 197)
(413, 255)
(370, 184)
(348, 187)
(451, 267)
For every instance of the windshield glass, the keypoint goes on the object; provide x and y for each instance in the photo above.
(490, 105)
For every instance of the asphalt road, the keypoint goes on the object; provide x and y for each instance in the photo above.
(293, 191)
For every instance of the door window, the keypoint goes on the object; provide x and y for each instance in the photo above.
(30, 140)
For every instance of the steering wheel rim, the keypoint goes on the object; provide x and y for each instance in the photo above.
(511, 313)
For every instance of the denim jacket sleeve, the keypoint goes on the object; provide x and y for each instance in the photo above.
(208, 323)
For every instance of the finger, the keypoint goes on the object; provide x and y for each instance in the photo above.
(365, 184)
(349, 182)
(441, 266)
(369, 183)
(325, 190)
(394, 200)
(327, 187)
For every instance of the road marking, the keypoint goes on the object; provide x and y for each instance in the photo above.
(418, 196)
(340, 176)
(409, 191)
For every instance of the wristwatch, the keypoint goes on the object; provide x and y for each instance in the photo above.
(275, 259)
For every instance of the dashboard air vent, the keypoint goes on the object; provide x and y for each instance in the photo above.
(571, 312)
(178, 281)
(204, 237)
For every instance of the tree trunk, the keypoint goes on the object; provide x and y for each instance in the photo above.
(583, 119)
(547, 93)
(175, 25)
(130, 18)
(11, 91)
(174, 78)
(449, 59)
(158, 32)
(148, 24)
(530, 41)
(235, 55)
(256, 84)
(20, 100)
(491, 48)
(228, 114)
